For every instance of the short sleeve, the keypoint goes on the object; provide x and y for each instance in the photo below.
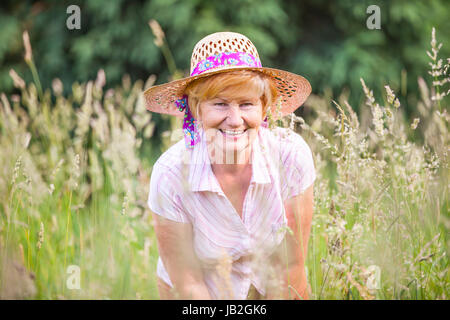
(163, 198)
(298, 166)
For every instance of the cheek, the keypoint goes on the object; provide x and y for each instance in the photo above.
(254, 118)
(212, 119)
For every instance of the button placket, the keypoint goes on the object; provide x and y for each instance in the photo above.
(247, 207)
(235, 217)
(247, 242)
(241, 221)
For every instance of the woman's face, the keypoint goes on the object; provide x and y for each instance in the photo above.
(231, 123)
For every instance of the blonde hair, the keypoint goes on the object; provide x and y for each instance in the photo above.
(232, 83)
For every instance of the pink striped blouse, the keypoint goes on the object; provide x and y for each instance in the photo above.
(183, 188)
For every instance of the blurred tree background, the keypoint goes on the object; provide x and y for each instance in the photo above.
(326, 41)
(76, 159)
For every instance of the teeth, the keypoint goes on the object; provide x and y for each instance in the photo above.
(232, 132)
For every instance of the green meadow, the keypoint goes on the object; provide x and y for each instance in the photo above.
(75, 170)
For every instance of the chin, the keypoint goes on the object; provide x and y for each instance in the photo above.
(238, 145)
(227, 146)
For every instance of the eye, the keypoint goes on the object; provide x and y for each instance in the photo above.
(246, 104)
(220, 104)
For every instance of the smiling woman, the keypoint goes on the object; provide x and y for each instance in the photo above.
(231, 107)
(223, 199)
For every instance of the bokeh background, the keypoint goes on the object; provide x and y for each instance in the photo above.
(326, 41)
(77, 145)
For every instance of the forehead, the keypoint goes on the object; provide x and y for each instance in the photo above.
(237, 97)
(238, 92)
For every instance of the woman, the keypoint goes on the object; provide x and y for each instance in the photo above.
(224, 198)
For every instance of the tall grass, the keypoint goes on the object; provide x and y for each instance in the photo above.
(73, 190)
(381, 225)
(74, 185)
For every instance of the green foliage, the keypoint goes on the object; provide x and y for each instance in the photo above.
(326, 41)
(74, 185)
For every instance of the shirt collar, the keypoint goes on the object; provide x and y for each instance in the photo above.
(201, 176)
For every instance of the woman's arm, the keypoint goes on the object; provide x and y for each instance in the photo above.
(291, 255)
(175, 245)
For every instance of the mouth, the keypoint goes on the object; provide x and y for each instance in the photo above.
(233, 133)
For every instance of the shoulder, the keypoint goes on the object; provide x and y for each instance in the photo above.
(297, 169)
(171, 164)
(172, 157)
(166, 185)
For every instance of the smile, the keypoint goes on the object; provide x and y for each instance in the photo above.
(233, 133)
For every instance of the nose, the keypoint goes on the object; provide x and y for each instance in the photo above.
(234, 118)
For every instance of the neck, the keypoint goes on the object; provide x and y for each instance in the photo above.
(235, 170)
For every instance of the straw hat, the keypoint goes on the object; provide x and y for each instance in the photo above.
(221, 52)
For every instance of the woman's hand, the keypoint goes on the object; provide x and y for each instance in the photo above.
(289, 258)
(176, 250)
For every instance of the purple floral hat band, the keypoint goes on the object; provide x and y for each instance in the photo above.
(226, 59)
(190, 125)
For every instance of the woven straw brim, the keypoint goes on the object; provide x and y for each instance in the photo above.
(292, 88)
